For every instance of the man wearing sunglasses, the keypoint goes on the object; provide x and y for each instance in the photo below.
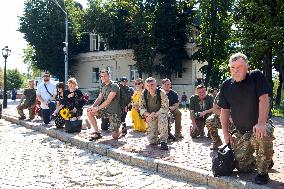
(46, 93)
(126, 93)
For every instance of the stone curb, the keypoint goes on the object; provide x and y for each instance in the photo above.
(194, 175)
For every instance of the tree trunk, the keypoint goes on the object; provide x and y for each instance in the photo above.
(208, 72)
(280, 86)
(267, 67)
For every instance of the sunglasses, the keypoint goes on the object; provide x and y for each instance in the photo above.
(46, 76)
(138, 83)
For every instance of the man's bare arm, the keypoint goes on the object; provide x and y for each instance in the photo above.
(110, 97)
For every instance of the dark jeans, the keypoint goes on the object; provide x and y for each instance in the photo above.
(46, 113)
(123, 116)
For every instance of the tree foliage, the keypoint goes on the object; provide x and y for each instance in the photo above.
(14, 79)
(169, 27)
(214, 38)
(260, 31)
(1, 78)
(112, 20)
(152, 28)
(143, 39)
(43, 26)
(28, 59)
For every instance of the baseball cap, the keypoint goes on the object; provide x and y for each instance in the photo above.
(123, 79)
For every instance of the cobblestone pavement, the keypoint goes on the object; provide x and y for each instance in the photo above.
(29, 159)
(189, 153)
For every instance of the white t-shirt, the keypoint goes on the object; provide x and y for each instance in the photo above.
(41, 91)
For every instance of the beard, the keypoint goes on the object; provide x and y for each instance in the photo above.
(45, 80)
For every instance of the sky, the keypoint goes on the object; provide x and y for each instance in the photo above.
(9, 36)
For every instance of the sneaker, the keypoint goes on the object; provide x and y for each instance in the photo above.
(164, 146)
(22, 118)
(215, 145)
(261, 179)
(30, 119)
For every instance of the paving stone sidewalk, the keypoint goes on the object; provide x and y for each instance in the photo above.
(187, 158)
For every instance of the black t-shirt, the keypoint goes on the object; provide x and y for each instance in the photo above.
(76, 101)
(242, 98)
(173, 97)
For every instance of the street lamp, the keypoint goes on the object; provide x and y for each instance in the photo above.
(65, 49)
(5, 53)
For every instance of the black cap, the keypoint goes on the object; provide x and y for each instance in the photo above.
(123, 79)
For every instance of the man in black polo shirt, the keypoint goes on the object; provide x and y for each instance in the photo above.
(173, 106)
(246, 96)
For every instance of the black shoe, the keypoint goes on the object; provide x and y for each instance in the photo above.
(172, 137)
(22, 118)
(164, 146)
(271, 164)
(123, 131)
(261, 179)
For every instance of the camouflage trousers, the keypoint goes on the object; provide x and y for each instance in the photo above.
(246, 144)
(21, 107)
(158, 126)
(213, 123)
(114, 119)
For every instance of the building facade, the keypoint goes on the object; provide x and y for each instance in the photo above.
(121, 63)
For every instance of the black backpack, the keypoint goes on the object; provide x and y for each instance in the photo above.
(224, 162)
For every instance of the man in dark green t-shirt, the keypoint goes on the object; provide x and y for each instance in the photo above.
(198, 104)
(29, 102)
(107, 105)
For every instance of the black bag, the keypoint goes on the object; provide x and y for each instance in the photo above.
(73, 126)
(105, 124)
(224, 162)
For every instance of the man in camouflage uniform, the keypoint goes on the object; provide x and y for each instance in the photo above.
(213, 123)
(106, 105)
(198, 106)
(29, 103)
(154, 106)
(246, 97)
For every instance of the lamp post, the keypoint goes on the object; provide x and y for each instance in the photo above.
(65, 49)
(5, 52)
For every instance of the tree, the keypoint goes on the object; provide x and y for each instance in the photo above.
(28, 59)
(112, 20)
(14, 79)
(260, 32)
(216, 23)
(170, 35)
(1, 78)
(43, 27)
(143, 40)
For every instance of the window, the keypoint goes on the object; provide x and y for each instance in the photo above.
(97, 43)
(94, 42)
(95, 75)
(133, 73)
(178, 74)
